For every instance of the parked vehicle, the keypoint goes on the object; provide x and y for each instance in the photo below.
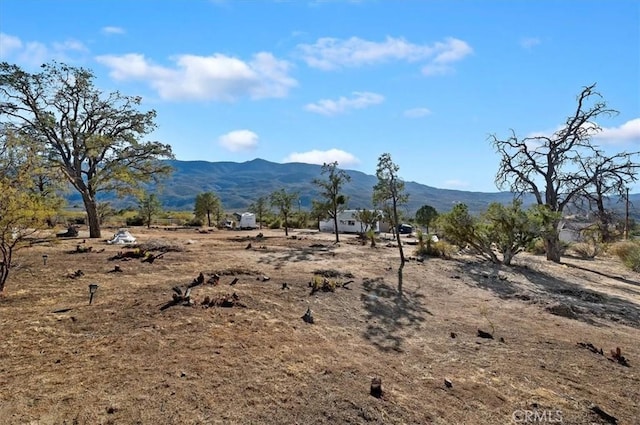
(405, 229)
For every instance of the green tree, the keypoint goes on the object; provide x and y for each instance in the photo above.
(558, 168)
(461, 228)
(23, 208)
(426, 215)
(330, 188)
(368, 218)
(149, 207)
(105, 210)
(93, 139)
(259, 207)
(509, 229)
(206, 205)
(389, 192)
(318, 212)
(283, 202)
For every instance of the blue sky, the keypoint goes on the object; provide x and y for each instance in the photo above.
(322, 80)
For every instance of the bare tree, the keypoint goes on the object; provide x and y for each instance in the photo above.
(334, 201)
(91, 138)
(548, 166)
(610, 177)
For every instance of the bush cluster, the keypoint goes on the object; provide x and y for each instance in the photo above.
(628, 252)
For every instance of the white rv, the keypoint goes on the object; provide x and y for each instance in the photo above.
(347, 223)
(247, 220)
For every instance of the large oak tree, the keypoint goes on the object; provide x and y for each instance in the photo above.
(93, 138)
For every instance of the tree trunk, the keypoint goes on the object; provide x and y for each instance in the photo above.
(335, 227)
(5, 266)
(93, 219)
(209, 218)
(507, 256)
(286, 226)
(553, 247)
(400, 277)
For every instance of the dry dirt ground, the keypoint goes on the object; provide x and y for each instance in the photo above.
(124, 360)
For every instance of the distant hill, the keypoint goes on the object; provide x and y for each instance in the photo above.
(239, 184)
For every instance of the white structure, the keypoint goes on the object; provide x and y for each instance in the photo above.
(122, 237)
(247, 220)
(347, 223)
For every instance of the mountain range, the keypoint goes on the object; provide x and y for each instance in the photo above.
(240, 184)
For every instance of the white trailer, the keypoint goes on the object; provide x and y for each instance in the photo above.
(347, 223)
(247, 220)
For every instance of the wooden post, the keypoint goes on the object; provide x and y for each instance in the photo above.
(376, 387)
(626, 219)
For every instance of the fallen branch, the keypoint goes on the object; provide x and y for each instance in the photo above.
(589, 346)
(150, 258)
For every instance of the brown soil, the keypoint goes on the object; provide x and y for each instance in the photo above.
(123, 360)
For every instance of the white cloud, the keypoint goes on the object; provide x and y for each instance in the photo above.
(111, 30)
(343, 158)
(452, 50)
(239, 140)
(332, 53)
(627, 132)
(456, 184)
(34, 53)
(8, 45)
(417, 112)
(217, 77)
(529, 42)
(359, 100)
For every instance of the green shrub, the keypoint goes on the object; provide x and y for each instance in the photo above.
(135, 221)
(536, 247)
(275, 224)
(629, 253)
(194, 222)
(426, 247)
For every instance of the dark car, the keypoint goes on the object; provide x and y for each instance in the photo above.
(405, 229)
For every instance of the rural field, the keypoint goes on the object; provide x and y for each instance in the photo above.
(134, 356)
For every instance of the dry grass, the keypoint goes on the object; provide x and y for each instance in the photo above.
(122, 360)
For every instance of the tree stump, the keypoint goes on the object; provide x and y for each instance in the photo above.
(376, 387)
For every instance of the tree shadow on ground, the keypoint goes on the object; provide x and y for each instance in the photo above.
(561, 297)
(392, 316)
(599, 273)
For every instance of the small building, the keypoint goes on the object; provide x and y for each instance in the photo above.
(347, 223)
